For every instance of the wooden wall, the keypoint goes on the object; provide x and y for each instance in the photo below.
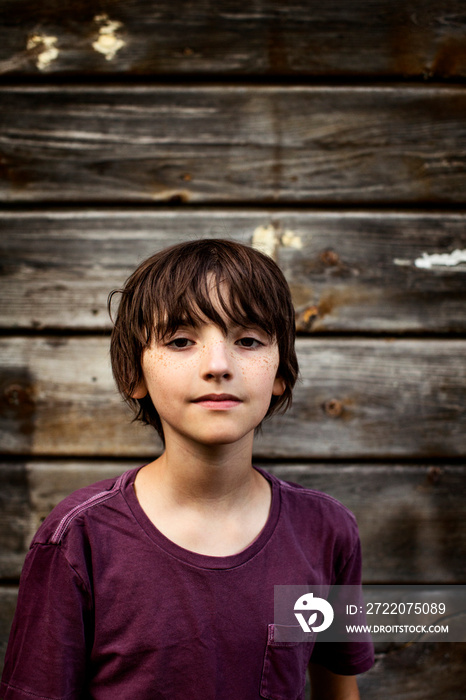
(330, 134)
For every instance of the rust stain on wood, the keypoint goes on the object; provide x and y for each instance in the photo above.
(308, 315)
(329, 262)
(330, 258)
(407, 40)
(339, 408)
(333, 408)
(17, 395)
(450, 59)
(330, 302)
(17, 401)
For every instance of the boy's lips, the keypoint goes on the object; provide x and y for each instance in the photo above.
(218, 400)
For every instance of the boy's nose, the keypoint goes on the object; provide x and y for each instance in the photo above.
(216, 360)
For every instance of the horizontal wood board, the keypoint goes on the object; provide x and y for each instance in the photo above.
(348, 271)
(253, 144)
(411, 518)
(417, 672)
(263, 37)
(355, 398)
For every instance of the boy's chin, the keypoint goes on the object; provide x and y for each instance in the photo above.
(218, 438)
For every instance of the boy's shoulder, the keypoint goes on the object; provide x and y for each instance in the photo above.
(308, 509)
(306, 497)
(76, 505)
(323, 528)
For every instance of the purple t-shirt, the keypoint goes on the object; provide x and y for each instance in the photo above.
(110, 608)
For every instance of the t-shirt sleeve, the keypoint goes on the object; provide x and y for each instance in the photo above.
(46, 654)
(346, 658)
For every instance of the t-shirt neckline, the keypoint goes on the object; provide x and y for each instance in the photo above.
(203, 561)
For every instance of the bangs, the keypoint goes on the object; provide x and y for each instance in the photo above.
(203, 285)
(214, 299)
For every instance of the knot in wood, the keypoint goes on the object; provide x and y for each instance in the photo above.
(333, 408)
(434, 475)
(329, 257)
(18, 395)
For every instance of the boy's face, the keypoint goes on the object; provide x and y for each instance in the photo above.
(209, 387)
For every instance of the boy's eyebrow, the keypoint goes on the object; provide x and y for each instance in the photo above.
(172, 326)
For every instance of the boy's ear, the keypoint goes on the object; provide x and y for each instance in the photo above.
(279, 386)
(140, 390)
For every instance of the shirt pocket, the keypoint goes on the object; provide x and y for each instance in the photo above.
(285, 664)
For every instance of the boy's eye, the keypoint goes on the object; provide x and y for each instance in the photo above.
(179, 343)
(249, 342)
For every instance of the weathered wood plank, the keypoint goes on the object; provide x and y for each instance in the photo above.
(8, 597)
(231, 144)
(422, 671)
(357, 398)
(370, 38)
(348, 271)
(411, 518)
(417, 672)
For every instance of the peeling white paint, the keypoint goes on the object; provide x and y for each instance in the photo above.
(167, 195)
(265, 239)
(426, 262)
(108, 43)
(49, 52)
(429, 260)
(290, 239)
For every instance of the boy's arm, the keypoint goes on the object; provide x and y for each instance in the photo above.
(46, 654)
(326, 685)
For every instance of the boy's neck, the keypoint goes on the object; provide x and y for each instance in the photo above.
(209, 501)
(196, 475)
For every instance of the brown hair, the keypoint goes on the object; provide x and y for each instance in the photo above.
(172, 287)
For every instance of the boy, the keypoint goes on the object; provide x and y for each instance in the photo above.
(160, 584)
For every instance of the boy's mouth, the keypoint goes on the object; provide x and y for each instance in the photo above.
(218, 401)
